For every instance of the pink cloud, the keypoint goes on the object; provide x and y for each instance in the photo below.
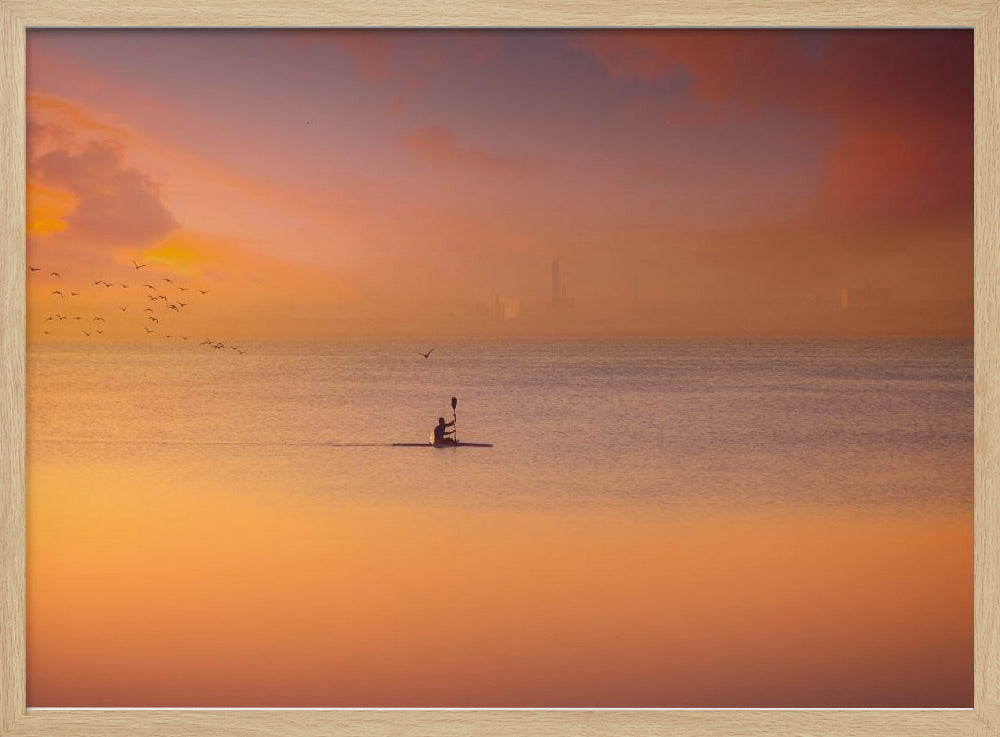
(438, 144)
(899, 103)
(116, 205)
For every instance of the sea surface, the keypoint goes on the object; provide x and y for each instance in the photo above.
(762, 523)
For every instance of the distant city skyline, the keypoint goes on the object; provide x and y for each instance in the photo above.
(325, 183)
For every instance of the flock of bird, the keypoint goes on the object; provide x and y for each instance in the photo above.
(165, 290)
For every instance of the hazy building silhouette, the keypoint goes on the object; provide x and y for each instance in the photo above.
(560, 304)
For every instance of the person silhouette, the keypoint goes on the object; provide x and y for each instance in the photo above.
(441, 432)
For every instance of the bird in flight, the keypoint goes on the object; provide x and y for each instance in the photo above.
(203, 291)
(183, 289)
(86, 333)
(123, 308)
(183, 304)
(74, 294)
(100, 332)
(109, 284)
(428, 354)
(138, 266)
(99, 281)
(168, 281)
(124, 286)
(148, 330)
(32, 268)
(173, 307)
(153, 319)
(149, 286)
(58, 292)
(98, 319)
(55, 274)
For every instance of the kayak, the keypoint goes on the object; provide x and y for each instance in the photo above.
(442, 445)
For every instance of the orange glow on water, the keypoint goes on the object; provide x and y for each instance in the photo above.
(200, 596)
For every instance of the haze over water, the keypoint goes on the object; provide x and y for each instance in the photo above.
(660, 523)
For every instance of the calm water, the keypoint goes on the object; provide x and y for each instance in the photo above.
(745, 424)
(841, 467)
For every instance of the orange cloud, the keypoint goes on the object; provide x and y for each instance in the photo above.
(908, 172)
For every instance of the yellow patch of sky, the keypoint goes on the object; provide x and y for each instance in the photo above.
(171, 254)
(46, 209)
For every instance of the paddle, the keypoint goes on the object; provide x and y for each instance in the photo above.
(454, 417)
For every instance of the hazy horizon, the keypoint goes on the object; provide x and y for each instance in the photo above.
(323, 183)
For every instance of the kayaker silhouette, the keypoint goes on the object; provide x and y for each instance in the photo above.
(440, 437)
(441, 432)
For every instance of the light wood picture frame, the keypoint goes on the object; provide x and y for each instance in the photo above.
(17, 16)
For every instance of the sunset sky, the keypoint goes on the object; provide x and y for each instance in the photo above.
(318, 183)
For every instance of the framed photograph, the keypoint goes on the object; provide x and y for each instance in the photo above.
(467, 369)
